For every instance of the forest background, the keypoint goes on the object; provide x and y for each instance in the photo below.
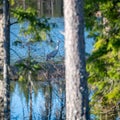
(103, 64)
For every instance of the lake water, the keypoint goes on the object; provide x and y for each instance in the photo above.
(41, 49)
(48, 98)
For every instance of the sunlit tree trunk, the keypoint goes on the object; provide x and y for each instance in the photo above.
(24, 4)
(1, 100)
(77, 107)
(1, 66)
(1, 41)
(39, 6)
(52, 7)
(6, 39)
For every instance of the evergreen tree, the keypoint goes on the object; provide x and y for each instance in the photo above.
(103, 65)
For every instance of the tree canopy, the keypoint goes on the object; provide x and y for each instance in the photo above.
(103, 65)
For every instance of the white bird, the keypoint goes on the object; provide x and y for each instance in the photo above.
(54, 52)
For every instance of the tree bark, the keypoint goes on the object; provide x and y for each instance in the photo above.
(6, 39)
(24, 4)
(1, 67)
(77, 107)
(1, 43)
(1, 101)
(39, 6)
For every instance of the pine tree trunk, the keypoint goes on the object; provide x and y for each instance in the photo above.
(77, 107)
(6, 40)
(1, 42)
(1, 101)
(52, 7)
(39, 6)
(1, 67)
(24, 4)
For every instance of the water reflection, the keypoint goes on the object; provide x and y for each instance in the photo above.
(48, 101)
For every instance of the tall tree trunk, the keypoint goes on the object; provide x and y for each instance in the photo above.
(77, 107)
(1, 101)
(24, 4)
(52, 7)
(6, 39)
(39, 6)
(1, 41)
(1, 66)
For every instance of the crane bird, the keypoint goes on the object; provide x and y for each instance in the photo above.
(53, 53)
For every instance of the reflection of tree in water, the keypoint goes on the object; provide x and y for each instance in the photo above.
(52, 92)
(53, 95)
(48, 101)
(60, 112)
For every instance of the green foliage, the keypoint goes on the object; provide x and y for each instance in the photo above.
(34, 27)
(24, 66)
(103, 64)
(12, 2)
(27, 65)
